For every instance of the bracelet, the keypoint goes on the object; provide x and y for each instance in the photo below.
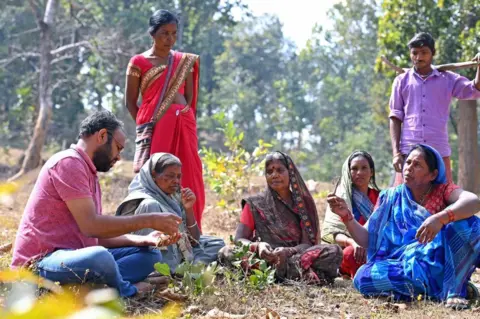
(191, 226)
(451, 216)
(347, 218)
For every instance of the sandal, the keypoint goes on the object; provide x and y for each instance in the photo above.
(457, 303)
(472, 291)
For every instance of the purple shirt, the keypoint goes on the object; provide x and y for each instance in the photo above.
(424, 106)
(47, 223)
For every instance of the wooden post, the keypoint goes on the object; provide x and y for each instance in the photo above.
(468, 153)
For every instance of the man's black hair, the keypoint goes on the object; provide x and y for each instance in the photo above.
(98, 120)
(422, 39)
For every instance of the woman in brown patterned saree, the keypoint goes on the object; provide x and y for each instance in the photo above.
(168, 82)
(281, 225)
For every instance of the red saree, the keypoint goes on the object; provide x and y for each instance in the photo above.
(176, 130)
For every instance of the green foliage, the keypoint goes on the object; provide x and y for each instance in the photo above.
(259, 275)
(23, 300)
(338, 72)
(317, 104)
(229, 174)
(199, 278)
(162, 269)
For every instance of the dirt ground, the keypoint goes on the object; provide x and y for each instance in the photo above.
(288, 301)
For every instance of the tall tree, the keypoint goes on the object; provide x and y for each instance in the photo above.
(91, 42)
(339, 70)
(45, 19)
(247, 70)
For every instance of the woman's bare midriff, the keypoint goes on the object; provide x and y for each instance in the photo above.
(179, 99)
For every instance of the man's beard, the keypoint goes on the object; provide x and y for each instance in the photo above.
(101, 158)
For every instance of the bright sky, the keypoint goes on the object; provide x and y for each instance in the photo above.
(298, 16)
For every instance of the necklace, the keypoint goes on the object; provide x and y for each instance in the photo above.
(425, 194)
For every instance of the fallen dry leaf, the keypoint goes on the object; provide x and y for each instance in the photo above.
(192, 310)
(271, 314)
(215, 313)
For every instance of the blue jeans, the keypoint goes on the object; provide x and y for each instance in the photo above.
(119, 268)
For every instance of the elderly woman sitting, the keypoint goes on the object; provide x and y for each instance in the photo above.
(282, 226)
(156, 188)
(422, 239)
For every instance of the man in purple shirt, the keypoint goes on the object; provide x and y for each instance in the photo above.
(420, 103)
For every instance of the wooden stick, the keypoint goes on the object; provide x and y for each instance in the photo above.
(397, 69)
(458, 65)
(441, 67)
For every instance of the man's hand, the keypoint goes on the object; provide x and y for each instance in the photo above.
(166, 223)
(397, 162)
(159, 239)
(477, 58)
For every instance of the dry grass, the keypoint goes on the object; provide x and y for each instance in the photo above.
(290, 301)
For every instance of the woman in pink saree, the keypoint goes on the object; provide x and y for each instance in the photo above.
(168, 83)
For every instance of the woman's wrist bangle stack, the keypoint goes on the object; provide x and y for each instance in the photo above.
(451, 217)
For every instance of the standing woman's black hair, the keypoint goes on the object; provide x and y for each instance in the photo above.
(371, 163)
(160, 18)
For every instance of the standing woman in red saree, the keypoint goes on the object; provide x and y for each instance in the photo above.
(168, 82)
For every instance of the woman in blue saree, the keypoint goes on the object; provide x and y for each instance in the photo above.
(423, 237)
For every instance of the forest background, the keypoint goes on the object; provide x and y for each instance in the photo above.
(318, 103)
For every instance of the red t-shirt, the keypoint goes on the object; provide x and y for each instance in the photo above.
(47, 224)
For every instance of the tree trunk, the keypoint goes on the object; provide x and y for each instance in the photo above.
(468, 153)
(33, 154)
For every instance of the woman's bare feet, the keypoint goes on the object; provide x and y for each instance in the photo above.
(143, 289)
(457, 303)
(160, 282)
